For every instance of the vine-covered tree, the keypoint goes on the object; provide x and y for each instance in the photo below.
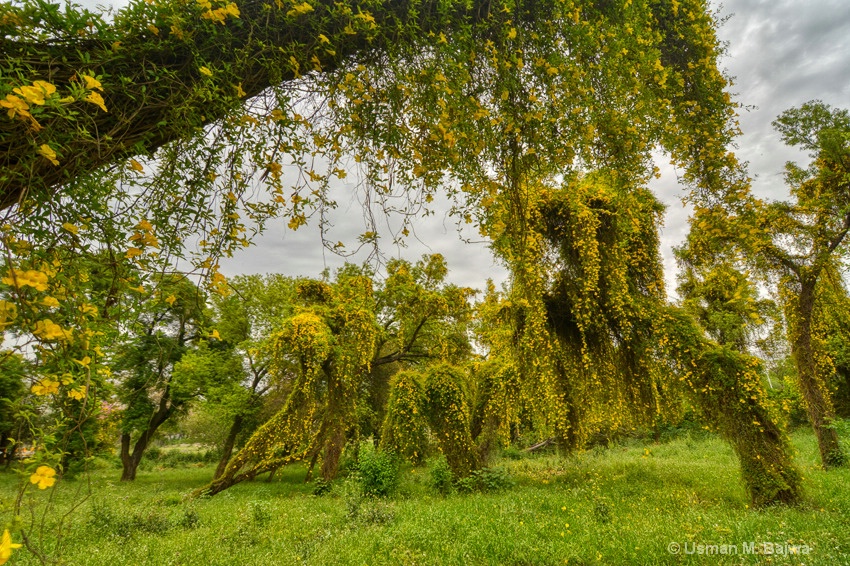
(793, 244)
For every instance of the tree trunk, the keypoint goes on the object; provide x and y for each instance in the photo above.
(230, 441)
(813, 386)
(130, 460)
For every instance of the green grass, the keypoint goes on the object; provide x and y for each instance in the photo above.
(622, 505)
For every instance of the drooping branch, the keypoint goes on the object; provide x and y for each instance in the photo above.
(154, 74)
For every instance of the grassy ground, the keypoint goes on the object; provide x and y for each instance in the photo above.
(625, 505)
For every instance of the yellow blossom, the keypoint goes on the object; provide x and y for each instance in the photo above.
(47, 152)
(206, 71)
(6, 547)
(299, 9)
(51, 302)
(136, 166)
(16, 106)
(78, 393)
(70, 228)
(92, 83)
(170, 300)
(97, 100)
(35, 279)
(44, 476)
(45, 387)
(48, 330)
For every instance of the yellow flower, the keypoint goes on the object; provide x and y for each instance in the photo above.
(35, 279)
(298, 9)
(44, 476)
(47, 151)
(6, 547)
(97, 100)
(136, 166)
(132, 252)
(205, 71)
(48, 330)
(170, 300)
(92, 83)
(45, 387)
(78, 394)
(71, 228)
(51, 302)
(37, 92)
(232, 9)
(84, 362)
(15, 105)
(239, 92)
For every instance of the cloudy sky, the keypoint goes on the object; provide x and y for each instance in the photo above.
(782, 53)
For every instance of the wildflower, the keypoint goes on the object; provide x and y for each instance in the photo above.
(6, 547)
(44, 476)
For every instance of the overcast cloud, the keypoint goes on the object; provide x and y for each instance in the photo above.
(781, 53)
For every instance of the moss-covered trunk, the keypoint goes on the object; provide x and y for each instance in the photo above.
(813, 385)
(726, 387)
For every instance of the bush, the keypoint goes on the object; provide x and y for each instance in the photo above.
(440, 475)
(485, 479)
(377, 472)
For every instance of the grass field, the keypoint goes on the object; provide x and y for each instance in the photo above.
(629, 504)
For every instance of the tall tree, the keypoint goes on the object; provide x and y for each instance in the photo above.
(149, 384)
(794, 243)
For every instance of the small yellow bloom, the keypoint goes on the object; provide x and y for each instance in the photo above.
(71, 228)
(133, 252)
(97, 100)
(47, 152)
(35, 279)
(16, 106)
(84, 362)
(51, 302)
(170, 300)
(136, 166)
(45, 387)
(239, 92)
(48, 330)
(92, 83)
(206, 71)
(6, 547)
(44, 476)
(79, 393)
(232, 9)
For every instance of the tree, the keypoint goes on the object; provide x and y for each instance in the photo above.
(794, 244)
(152, 385)
(246, 319)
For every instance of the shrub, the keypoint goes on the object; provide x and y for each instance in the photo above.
(440, 475)
(485, 479)
(377, 472)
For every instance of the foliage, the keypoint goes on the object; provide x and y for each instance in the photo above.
(440, 475)
(376, 471)
(793, 244)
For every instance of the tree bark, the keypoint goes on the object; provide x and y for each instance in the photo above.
(812, 386)
(130, 460)
(229, 442)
